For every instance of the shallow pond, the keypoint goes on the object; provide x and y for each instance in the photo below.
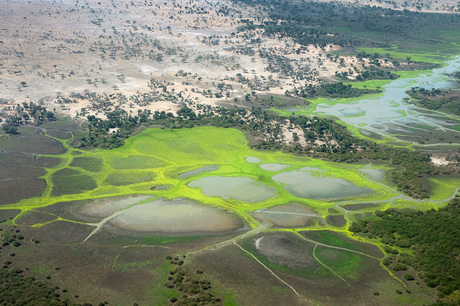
(290, 215)
(194, 172)
(307, 185)
(386, 113)
(274, 166)
(107, 206)
(179, 216)
(253, 160)
(374, 174)
(239, 188)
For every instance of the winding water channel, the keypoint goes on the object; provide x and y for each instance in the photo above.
(389, 115)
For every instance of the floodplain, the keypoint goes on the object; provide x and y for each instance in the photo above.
(204, 194)
(181, 214)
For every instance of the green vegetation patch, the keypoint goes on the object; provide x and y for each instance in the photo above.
(446, 100)
(121, 178)
(88, 163)
(340, 240)
(69, 181)
(135, 162)
(344, 263)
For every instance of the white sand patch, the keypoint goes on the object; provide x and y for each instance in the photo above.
(257, 243)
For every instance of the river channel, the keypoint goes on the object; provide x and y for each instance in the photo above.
(389, 115)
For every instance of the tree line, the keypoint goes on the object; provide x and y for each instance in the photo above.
(425, 241)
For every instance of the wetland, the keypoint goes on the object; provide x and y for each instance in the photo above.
(228, 153)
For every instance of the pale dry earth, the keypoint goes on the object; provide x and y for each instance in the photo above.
(89, 57)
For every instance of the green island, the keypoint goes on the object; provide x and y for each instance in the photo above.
(284, 184)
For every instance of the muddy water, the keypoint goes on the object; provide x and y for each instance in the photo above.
(388, 114)
(253, 160)
(374, 174)
(274, 166)
(107, 207)
(291, 215)
(179, 216)
(306, 185)
(194, 172)
(239, 188)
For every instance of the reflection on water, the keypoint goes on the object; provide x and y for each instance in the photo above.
(239, 188)
(194, 172)
(179, 216)
(388, 113)
(274, 166)
(306, 185)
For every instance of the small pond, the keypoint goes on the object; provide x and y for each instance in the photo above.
(307, 185)
(253, 160)
(274, 166)
(239, 188)
(374, 174)
(194, 172)
(178, 216)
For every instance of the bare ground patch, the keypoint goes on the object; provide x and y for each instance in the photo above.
(34, 217)
(290, 215)
(232, 272)
(60, 232)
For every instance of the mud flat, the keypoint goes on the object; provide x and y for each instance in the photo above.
(179, 216)
(284, 249)
(290, 215)
(93, 210)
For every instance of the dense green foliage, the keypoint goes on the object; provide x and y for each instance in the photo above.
(27, 113)
(334, 90)
(15, 289)
(429, 242)
(447, 100)
(311, 22)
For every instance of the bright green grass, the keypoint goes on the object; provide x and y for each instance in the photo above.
(444, 187)
(329, 238)
(344, 263)
(121, 178)
(89, 164)
(434, 54)
(156, 157)
(134, 162)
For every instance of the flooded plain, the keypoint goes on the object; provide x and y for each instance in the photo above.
(274, 166)
(290, 215)
(388, 114)
(178, 216)
(309, 186)
(373, 174)
(194, 172)
(239, 188)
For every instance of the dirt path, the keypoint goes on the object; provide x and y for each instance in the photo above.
(276, 276)
(333, 272)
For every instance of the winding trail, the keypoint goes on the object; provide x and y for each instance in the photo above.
(333, 272)
(228, 242)
(275, 275)
(101, 224)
